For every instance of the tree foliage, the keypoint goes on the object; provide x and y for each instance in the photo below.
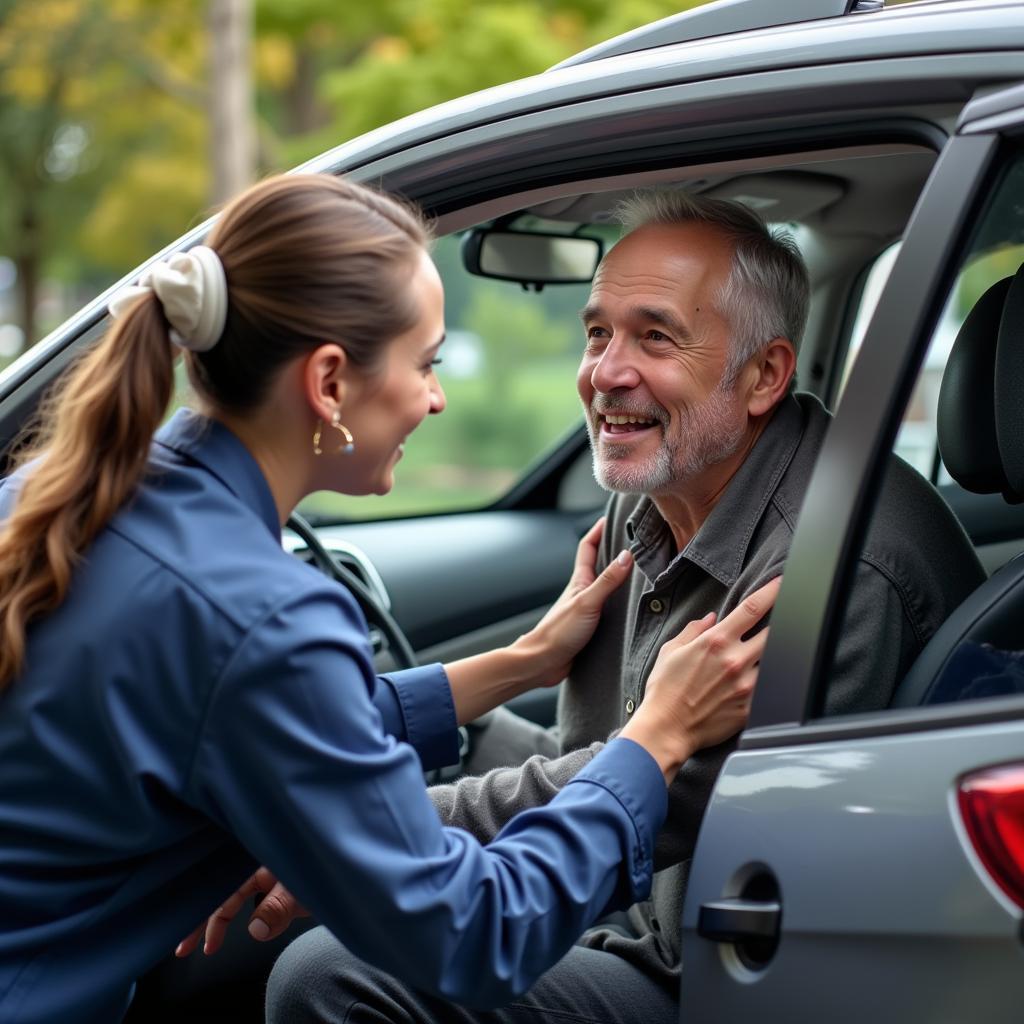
(104, 139)
(101, 136)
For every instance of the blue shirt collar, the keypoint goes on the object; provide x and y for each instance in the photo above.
(213, 446)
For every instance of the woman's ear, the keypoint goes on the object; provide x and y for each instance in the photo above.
(775, 366)
(326, 379)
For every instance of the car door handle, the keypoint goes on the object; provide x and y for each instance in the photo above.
(739, 920)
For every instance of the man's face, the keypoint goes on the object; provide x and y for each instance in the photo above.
(657, 347)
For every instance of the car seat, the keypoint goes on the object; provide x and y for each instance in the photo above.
(981, 440)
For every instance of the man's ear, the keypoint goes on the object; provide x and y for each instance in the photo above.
(325, 379)
(774, 367)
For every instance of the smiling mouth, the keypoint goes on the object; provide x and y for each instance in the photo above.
(621, 426)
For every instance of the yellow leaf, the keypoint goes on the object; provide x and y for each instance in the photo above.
(389, 49)
(274, 61)
(29, 83)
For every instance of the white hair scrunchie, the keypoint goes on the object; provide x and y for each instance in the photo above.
(193, 291)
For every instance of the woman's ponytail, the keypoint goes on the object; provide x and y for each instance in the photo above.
(90, 451)
(310, 258)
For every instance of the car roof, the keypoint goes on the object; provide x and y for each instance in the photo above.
(718, 19)
(930, 27)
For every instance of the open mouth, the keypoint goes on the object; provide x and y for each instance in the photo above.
(625, 425)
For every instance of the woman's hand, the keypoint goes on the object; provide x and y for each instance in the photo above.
(570, 622)
(275, 912)
(699, 690)
(543, 656)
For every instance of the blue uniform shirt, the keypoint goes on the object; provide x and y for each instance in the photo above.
(203, 702)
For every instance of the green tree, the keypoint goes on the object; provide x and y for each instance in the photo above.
(104, 134)
(99, 128)
(448, 48)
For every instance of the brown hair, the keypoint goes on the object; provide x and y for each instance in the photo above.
(308, 259)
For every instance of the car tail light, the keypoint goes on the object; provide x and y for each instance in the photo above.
(992, 807)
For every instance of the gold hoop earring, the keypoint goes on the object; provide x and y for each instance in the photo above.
(346, 449)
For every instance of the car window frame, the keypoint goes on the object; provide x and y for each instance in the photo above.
(836, 512)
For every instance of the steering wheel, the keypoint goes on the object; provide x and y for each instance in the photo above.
(327, 562)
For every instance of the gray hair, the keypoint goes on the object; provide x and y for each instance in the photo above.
(767, 293)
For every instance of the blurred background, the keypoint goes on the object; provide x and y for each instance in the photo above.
(124, 122)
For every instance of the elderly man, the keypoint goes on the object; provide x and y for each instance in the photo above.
(691, 331)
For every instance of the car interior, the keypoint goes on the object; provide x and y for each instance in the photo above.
(846, 208)
(980, 436)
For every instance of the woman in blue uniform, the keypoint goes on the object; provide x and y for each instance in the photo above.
(181, 700)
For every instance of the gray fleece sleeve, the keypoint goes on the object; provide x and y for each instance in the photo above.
(502, 739)
(483, 804)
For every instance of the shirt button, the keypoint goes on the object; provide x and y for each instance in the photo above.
(656, 605)
(630, 706)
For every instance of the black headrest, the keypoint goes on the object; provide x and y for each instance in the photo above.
(980, 413)
(1009, 389)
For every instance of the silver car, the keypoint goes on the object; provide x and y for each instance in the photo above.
(848, 868)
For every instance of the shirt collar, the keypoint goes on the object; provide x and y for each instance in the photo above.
(214, 447)
(720, 545)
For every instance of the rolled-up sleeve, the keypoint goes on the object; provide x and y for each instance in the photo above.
(295, 760)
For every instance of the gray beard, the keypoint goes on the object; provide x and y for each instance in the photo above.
(710, 436)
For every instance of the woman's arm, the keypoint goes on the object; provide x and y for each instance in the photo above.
(342, 816)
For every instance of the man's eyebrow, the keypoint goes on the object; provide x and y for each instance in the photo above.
(647, 314)
(664, 317)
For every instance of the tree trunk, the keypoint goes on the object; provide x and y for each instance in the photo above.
(305, 114)
(232, 135)
(26, 261)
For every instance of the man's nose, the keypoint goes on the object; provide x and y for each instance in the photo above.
(616, 368)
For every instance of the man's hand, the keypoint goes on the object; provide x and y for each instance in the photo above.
(275, 912)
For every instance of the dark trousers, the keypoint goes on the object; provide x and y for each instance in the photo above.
(317, 980)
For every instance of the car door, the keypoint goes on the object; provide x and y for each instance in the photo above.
(834, 877)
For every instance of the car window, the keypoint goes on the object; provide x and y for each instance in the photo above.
(916, 440)
(981, 657)
(508, 370)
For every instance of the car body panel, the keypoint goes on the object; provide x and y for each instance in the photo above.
(886, 913)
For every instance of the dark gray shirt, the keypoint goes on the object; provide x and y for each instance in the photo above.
(916, 566)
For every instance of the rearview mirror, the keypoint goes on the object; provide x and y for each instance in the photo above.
(531, 258)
